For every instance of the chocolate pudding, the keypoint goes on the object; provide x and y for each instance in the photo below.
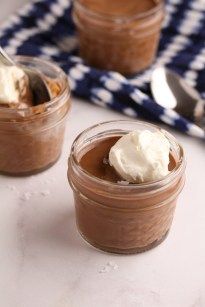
(95, 160)
(112, 214)
(118, 35)
(31, 136)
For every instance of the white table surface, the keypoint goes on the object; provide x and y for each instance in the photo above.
(45, 263)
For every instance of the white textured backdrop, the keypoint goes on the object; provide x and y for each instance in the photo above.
(9, 6)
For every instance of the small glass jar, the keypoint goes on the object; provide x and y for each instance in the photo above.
(119, 42)
(120, 218)
(31, 138)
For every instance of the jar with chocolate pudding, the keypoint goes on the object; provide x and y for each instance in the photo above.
(31, 135)
(111, 213)
(119, 35)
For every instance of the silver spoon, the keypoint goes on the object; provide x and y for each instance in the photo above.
(173, 92)
(38, 87)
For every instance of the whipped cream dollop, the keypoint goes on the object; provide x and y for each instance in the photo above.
(141, 156)
(12, 81)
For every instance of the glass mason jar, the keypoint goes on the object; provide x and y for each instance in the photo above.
(31, 138)
(123, 43)
(120, 218)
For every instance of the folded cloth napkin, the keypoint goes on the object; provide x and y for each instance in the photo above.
(45, 28)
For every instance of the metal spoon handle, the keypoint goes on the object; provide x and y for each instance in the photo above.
(5, 59)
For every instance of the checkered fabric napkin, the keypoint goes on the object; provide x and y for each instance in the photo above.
(44, 28)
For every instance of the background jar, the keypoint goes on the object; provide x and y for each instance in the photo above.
(123, 218)
(31, 138)
(123, 43)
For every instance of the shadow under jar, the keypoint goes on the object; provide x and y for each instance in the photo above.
(115, 216)
(31, 138)
(118, 35)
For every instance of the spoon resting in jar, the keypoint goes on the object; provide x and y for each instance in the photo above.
(36, 91)
(173, 92)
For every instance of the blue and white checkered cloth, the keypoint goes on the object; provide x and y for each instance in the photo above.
(45, 28)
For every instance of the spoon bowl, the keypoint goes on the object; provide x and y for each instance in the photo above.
(173, 92)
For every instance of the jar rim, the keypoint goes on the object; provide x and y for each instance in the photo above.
(61, 74)
(157, 184)
(119, 19)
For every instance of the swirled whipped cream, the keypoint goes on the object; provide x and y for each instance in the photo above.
(141, 156)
